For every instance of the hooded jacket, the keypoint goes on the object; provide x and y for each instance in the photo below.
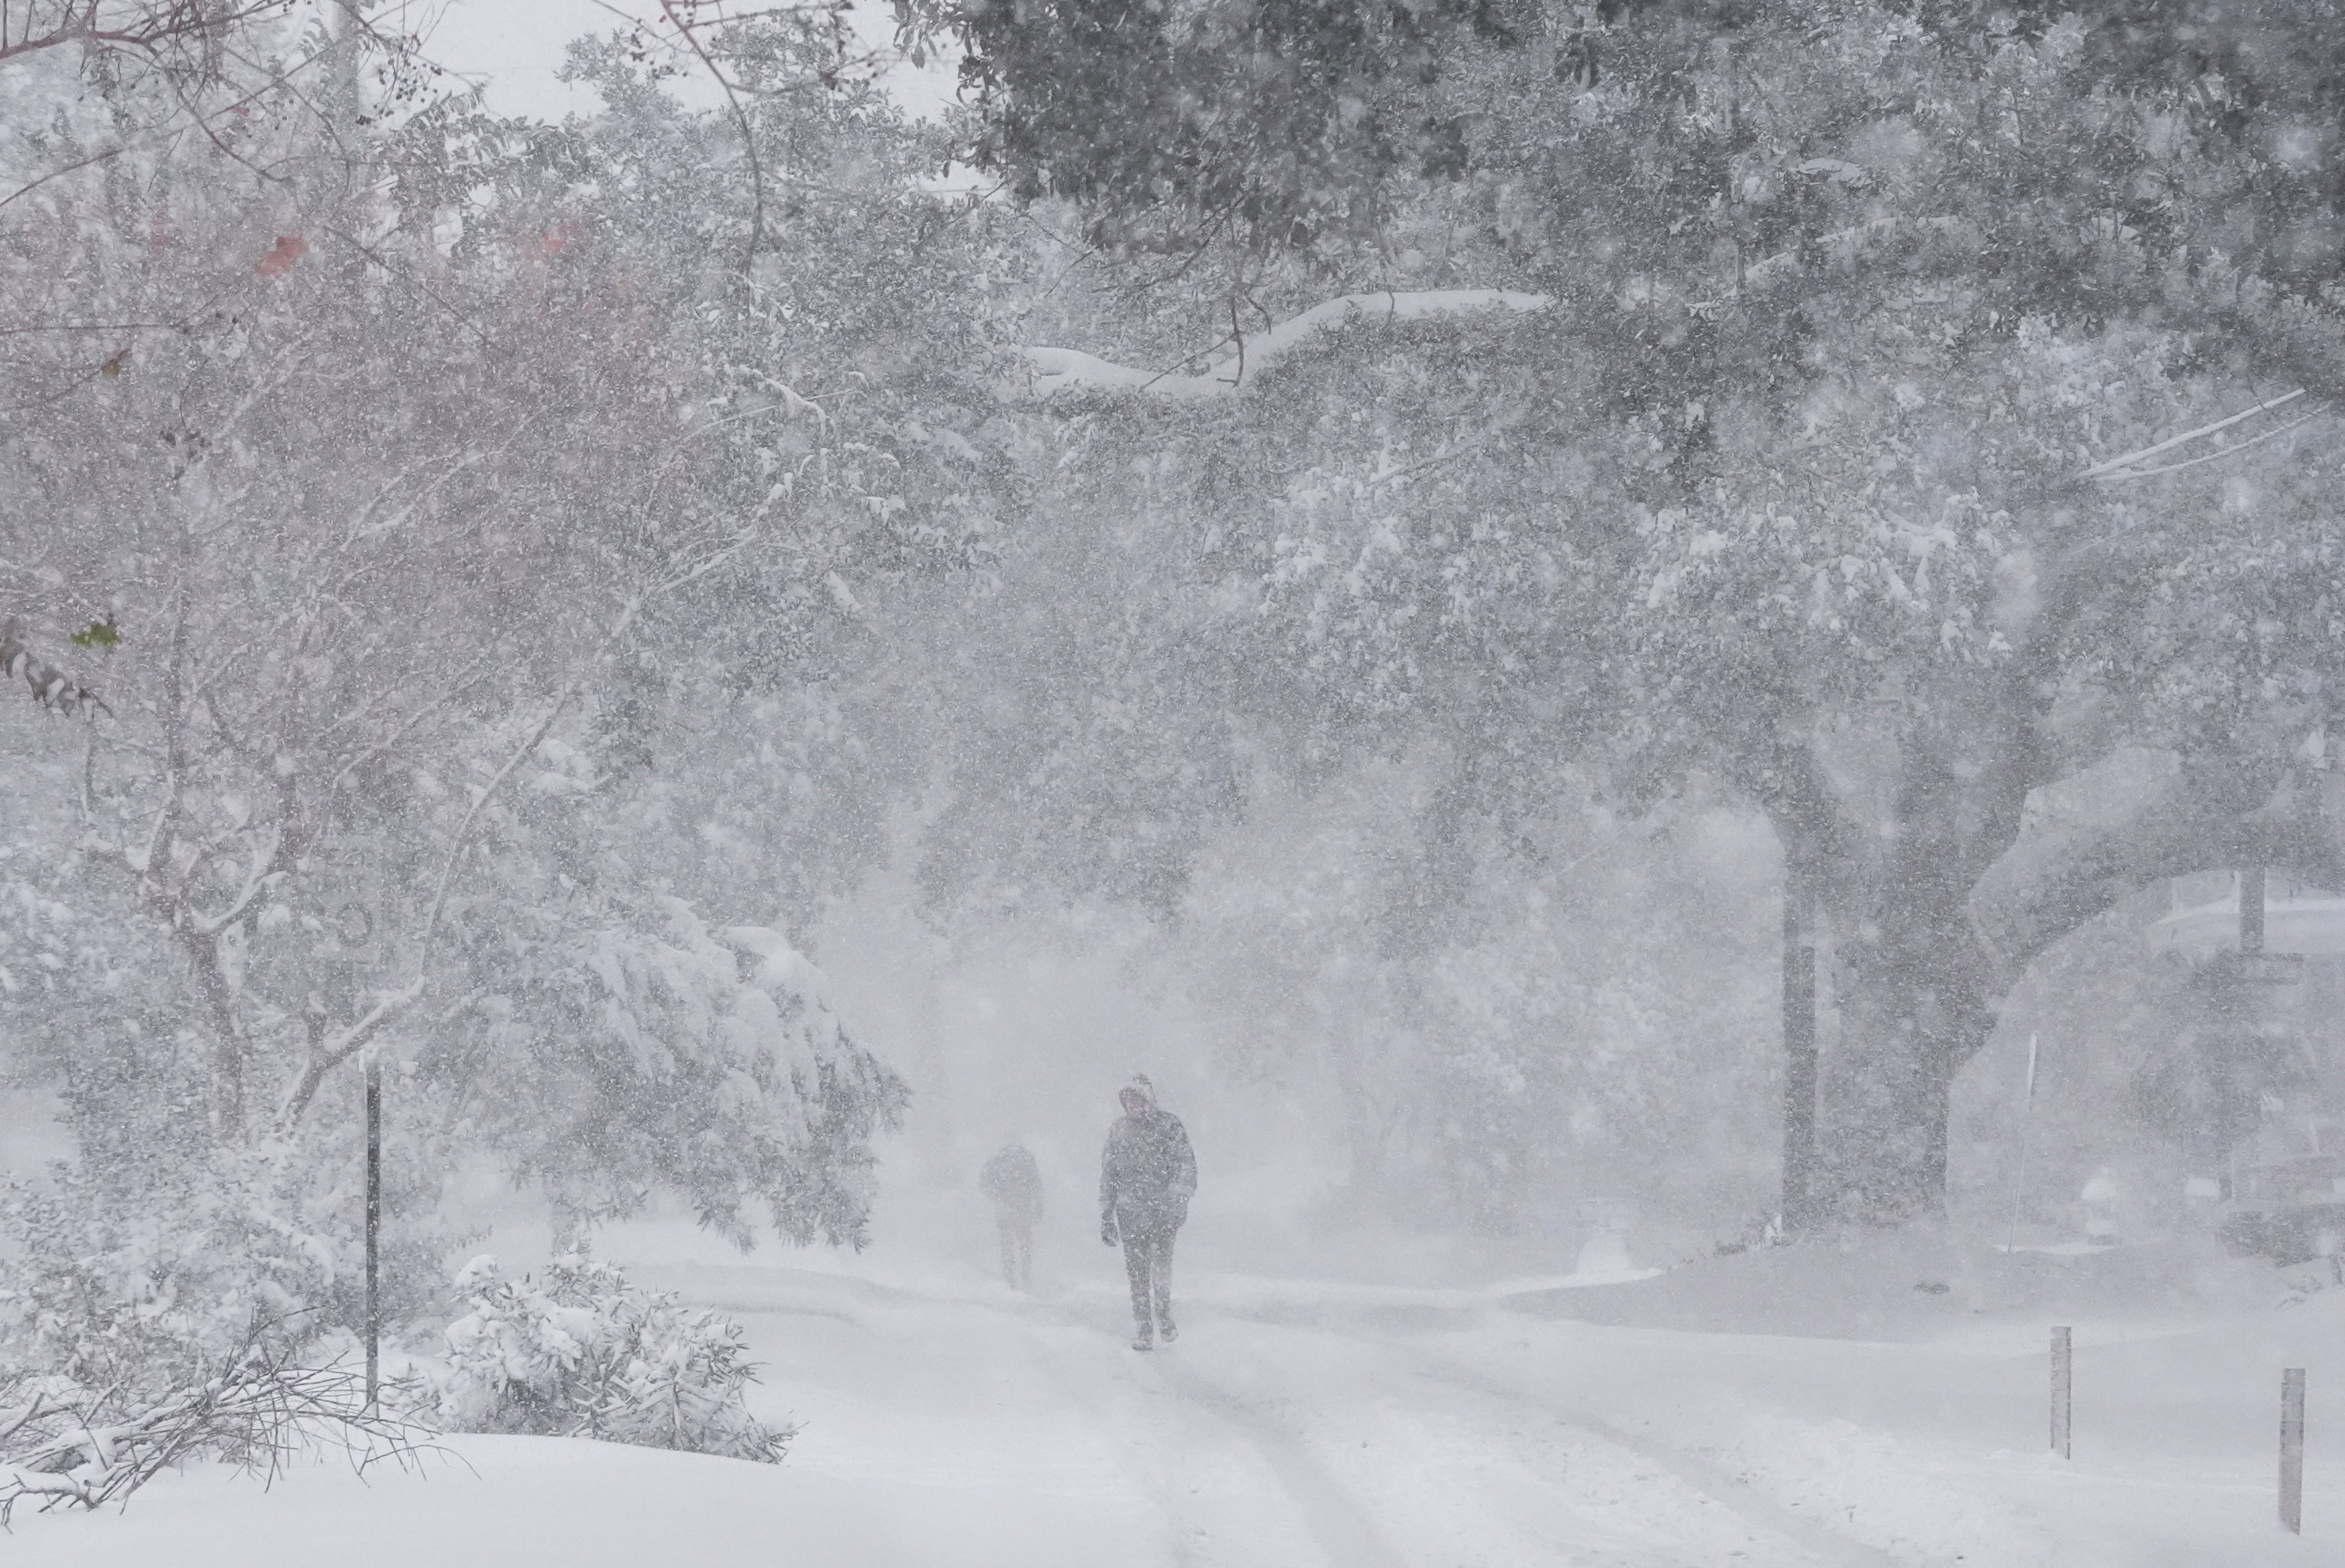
(1147, 1172)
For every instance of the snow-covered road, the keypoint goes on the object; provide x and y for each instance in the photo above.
(1027, 1433)
(1305, 1422)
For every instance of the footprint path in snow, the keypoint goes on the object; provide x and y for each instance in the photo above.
(1220, 1508)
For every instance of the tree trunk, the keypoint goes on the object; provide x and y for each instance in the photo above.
(1918, 988)
(1913, 1012)
(1939, 903)
(228, 1042)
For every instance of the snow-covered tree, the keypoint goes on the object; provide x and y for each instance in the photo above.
(1848, 412)
(479, 527)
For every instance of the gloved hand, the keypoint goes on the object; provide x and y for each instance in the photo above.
(1107, 1229)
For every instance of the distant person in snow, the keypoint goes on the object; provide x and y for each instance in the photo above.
(1147, 1176)
(1014, 1182)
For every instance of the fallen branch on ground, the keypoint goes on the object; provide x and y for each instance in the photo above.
(261, 1408)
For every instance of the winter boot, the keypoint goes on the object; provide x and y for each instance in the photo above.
(1142, 1341)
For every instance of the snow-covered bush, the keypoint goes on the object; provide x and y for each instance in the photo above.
(140, 1279)
(579, 1352)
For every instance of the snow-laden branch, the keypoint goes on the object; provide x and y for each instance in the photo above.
(1050, 372)
(2142, 815)
(2123, 467)
(327, 1052)
(267, 861)
(330, 1052)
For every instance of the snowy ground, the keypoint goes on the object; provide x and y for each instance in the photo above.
(950, 1422)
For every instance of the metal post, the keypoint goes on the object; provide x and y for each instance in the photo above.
(2063, 1365)
(373, 1226)
(2291, 1450)
(1798, 1045)
(2019, 1174)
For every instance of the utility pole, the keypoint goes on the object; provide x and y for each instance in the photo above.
(1799, 1043)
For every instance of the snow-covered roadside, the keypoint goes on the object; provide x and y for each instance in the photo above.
(1924, 1430)
(1935, 1453)
(949, 1421)
(488, 1499)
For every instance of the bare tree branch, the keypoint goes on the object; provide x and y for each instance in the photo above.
(258, 1407)
(149, 28)
(668, 8)
(2233, 450)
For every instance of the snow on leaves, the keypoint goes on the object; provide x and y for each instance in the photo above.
(647, 1051)
(580, 1351)
(1862, 579)
(51, 687)
(135, 1274)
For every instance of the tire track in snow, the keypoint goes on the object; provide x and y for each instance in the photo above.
(1707, 1480)
(1728, 1491)
(1387, 1330)
(1348, 1537)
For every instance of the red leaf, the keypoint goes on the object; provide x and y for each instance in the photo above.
(289, 249)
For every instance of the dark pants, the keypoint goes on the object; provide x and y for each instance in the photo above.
(1148, 1259)
(1017, 1247)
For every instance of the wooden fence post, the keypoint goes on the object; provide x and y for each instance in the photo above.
(2062, 1369)
(2291, 1450)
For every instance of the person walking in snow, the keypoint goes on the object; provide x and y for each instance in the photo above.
(1014, 1182)
(1147, 1176)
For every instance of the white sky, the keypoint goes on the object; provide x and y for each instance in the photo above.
(515, 47)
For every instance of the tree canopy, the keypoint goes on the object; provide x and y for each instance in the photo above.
(1911, 434)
